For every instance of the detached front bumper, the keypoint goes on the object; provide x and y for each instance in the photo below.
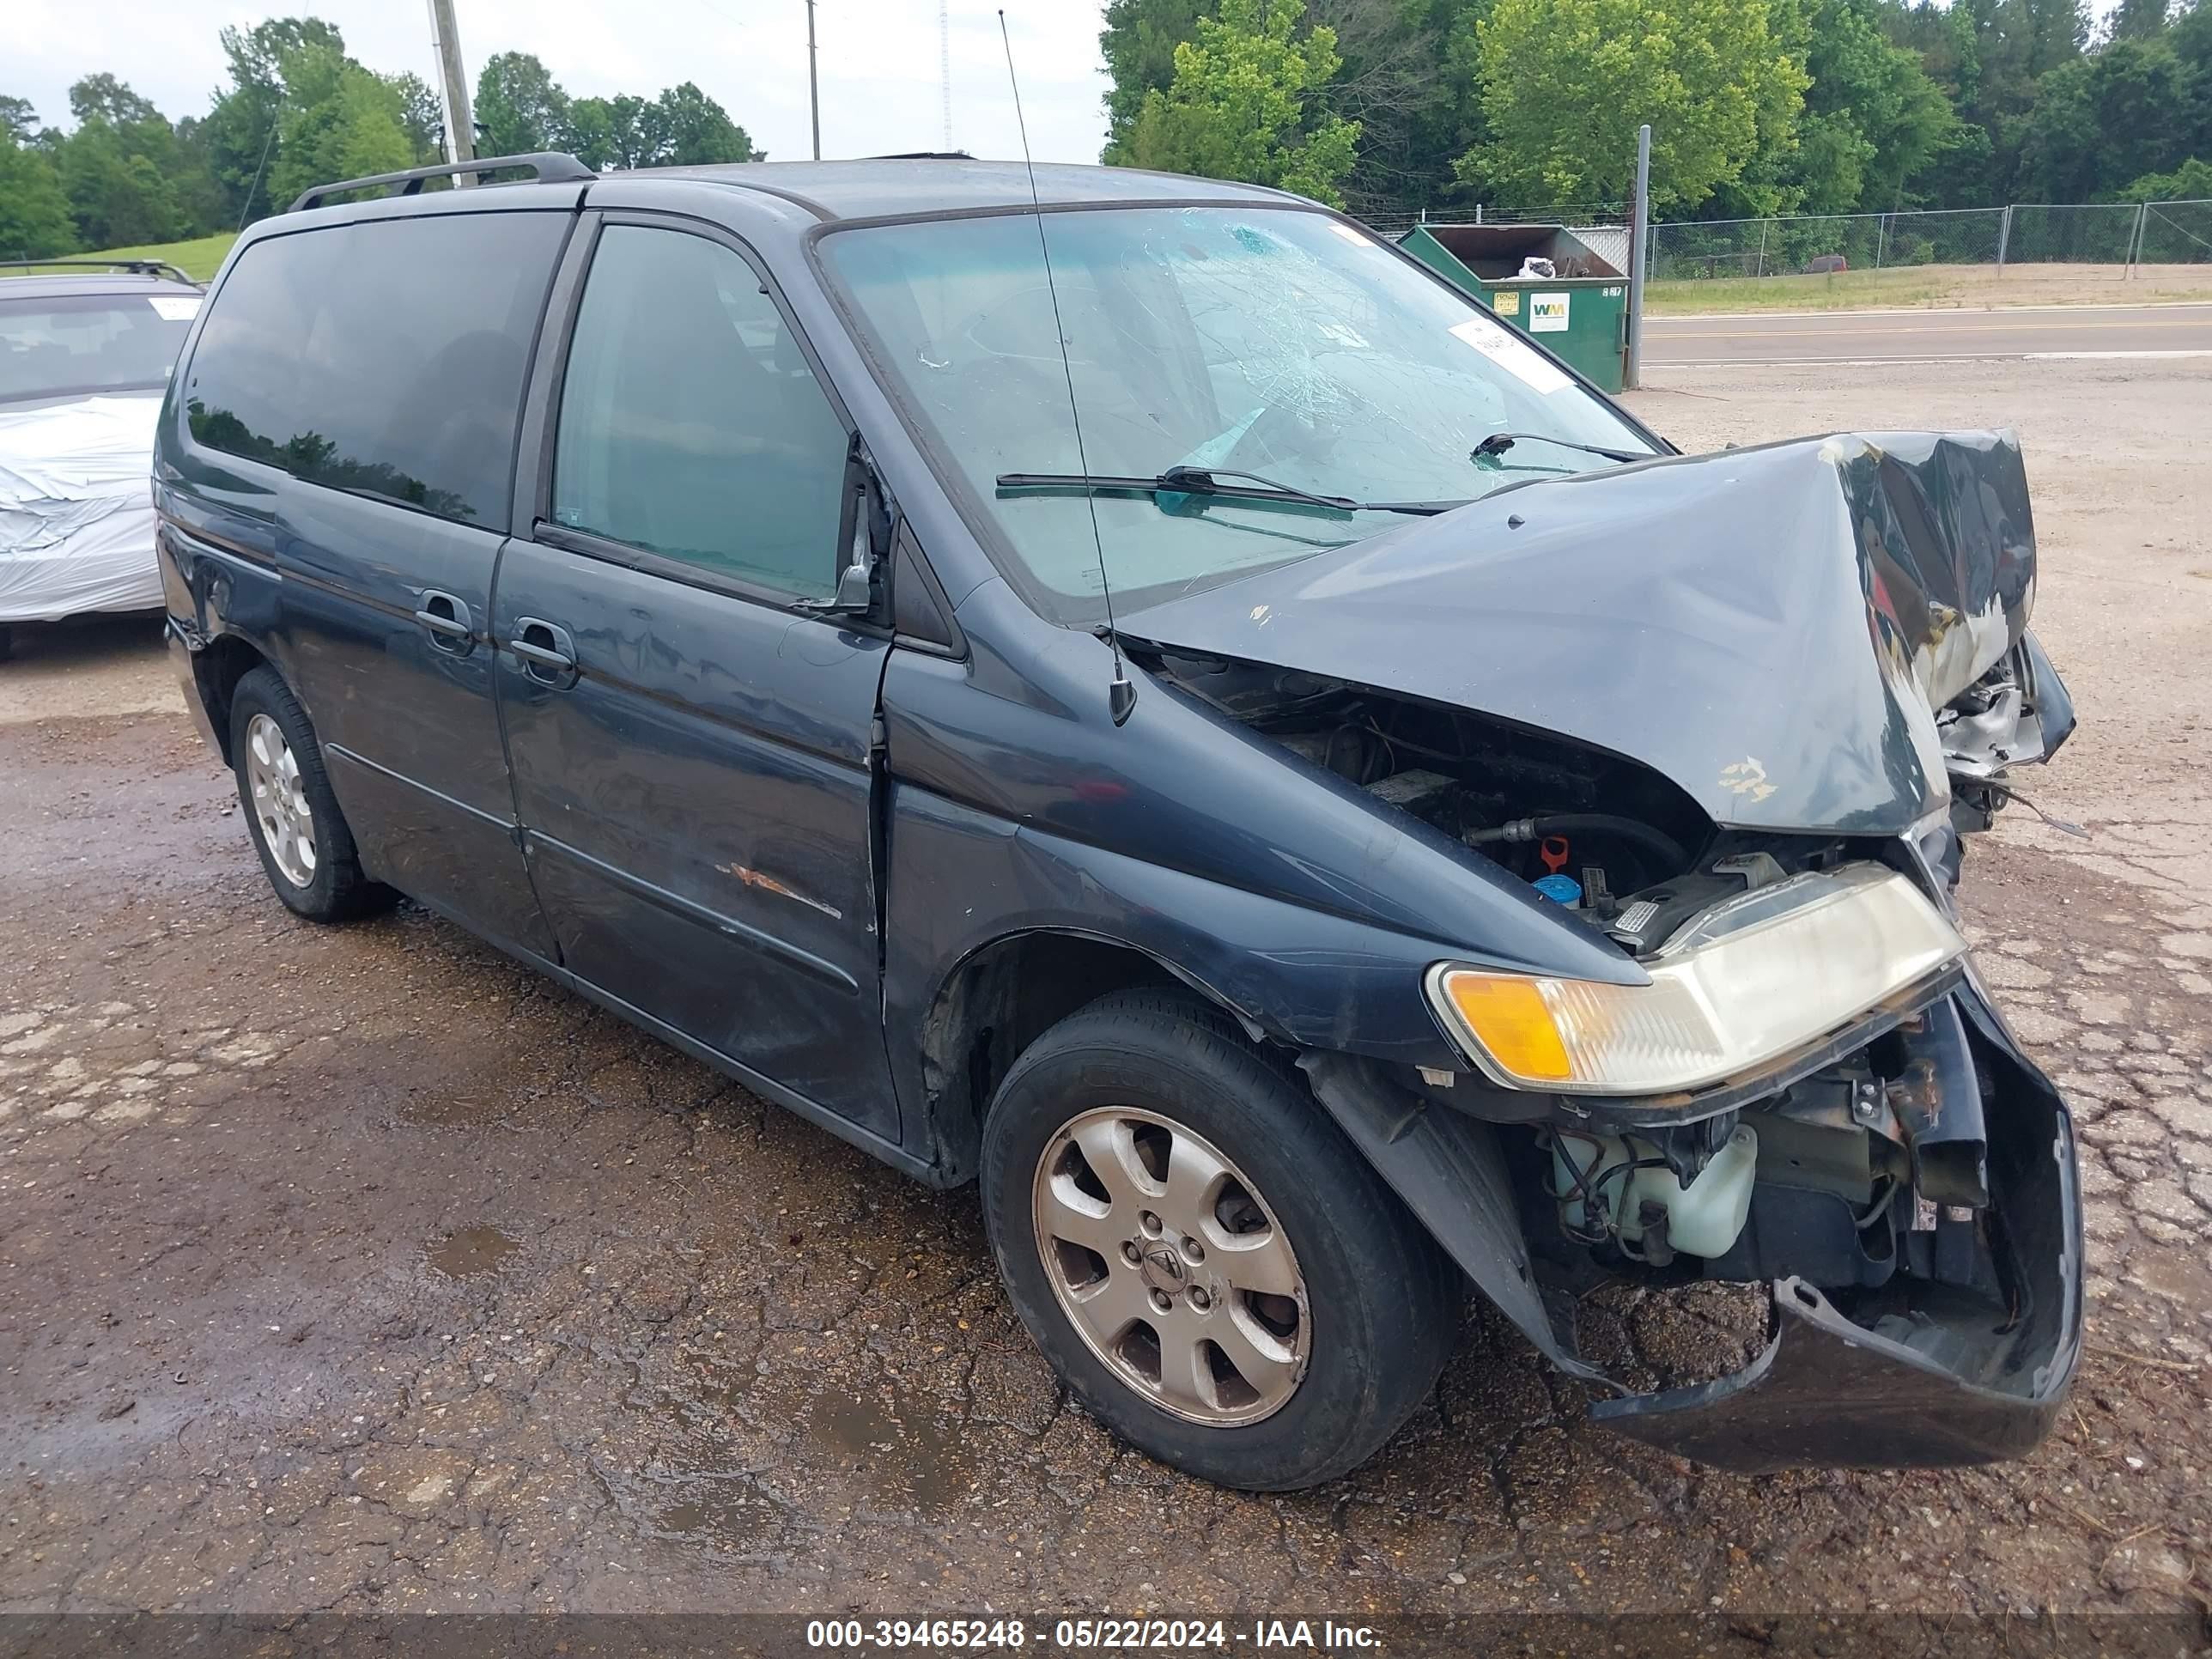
(1934, 1381)
(1921, 1372)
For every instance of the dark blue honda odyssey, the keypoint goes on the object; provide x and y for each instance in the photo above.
(1143, 697)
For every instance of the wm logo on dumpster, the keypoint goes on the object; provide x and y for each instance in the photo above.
(1547, 314)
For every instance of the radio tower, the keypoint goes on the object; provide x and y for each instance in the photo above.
(944, 64)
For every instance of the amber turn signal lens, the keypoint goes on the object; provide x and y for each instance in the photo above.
(1509, 1017)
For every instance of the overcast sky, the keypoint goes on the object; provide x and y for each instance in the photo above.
(880, 88)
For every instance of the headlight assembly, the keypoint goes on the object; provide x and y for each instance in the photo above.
(1749, 982)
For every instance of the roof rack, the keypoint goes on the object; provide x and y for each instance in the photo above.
(924, 155)
(551, 166)
(136, 267)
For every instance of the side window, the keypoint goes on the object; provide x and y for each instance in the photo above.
(384, 357)
(690, 425)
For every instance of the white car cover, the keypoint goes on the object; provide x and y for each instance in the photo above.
(77, 508)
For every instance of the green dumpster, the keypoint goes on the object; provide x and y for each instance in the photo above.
(1581, 314)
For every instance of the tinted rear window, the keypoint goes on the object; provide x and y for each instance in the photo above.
(72, 346)
(385, 357)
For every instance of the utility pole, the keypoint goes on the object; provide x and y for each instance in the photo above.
(813, 89)
(1639, 211)
(453, 90)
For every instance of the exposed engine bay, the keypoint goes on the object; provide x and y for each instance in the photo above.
(1846, 1176)
(1697, 710)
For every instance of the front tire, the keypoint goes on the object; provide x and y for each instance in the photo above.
(306, 850)
(1207, 1262)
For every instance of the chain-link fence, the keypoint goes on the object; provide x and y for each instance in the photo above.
(2103, 239)
(1394, 225)
(2026, 233)
(1854, 241)
(2175, 234)
(2114, 236)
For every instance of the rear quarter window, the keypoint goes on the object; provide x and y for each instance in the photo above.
(385, 357)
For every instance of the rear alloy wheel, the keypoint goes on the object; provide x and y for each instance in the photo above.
(1207, 1262)
(280, 809)
(305, 848)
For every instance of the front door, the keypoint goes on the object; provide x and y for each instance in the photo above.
(691, 749)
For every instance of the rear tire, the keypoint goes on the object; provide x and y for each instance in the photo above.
(306, 850)
(1171, 1209)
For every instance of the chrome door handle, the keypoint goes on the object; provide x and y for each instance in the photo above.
(548, 655)
(447, 621)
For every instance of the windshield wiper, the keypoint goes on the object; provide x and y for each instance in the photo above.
(1204, 480)
(1498, 442)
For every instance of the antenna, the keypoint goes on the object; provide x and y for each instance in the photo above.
(1122, 695)
(944, 63)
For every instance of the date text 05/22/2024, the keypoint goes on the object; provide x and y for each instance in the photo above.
(1091, 1635)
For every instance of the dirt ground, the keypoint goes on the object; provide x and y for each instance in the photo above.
(358, 1269)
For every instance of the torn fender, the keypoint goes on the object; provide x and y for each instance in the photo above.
(1449, 1171)
(1775, 629)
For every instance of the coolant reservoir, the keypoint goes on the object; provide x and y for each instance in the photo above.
(1703, 1218)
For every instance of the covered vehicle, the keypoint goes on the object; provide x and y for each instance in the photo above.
(1142, 697)
(86, 350)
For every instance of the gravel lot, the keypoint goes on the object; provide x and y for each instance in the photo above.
(358, 1269)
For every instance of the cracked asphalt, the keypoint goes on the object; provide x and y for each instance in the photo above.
(358, 1269)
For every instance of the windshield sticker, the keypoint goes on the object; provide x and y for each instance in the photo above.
(1547, 314)
(1350, 234)
(1521, 361)
(174, 307)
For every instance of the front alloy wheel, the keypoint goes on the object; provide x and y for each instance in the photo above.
(1171, 1266)
(1207, 1261)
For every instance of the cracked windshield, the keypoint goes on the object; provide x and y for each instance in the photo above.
(1274, 348)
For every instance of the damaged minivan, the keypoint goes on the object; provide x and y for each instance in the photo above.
(1131, 692)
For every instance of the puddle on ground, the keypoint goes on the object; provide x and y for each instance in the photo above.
(901, 1442)
(471, 1250)
(434, 1109)
(729, 1513)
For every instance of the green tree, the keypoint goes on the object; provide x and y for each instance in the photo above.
(518, 106)
(2190, 182)
(120, 167)
(618, 132)
(338, 121)
(34, 213)
(2137, 20)
(1239, 105)
(688, 129)
(1565, 84)
(422, 116)
(1139, 44)
(1870, 97)
(2105, 120)
(18, 120)
(239, 132)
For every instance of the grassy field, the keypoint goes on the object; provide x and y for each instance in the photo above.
(198, 258)
(1931, 287)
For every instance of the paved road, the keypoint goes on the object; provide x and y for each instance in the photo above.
(1847, 336)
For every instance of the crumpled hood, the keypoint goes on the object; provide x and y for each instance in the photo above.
(1774, 629)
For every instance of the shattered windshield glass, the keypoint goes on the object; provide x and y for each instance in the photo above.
(1272, 342)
